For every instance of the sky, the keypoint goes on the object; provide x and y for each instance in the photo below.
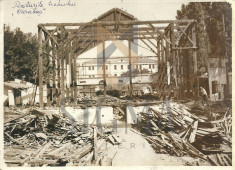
(82, 11)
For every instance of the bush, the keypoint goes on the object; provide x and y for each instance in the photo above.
(100, 92)
(114, 93)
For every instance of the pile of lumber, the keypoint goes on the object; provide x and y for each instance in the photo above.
(48, 139)
(174, 130)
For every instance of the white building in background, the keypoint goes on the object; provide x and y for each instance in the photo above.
(90, 64)
(115, 67)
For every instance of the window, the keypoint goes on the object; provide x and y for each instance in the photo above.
(136, 67)
(89, 68)
(89, 76)
(82, 81)
(120, 81)
(115, 75)
(128, 67)
(115, 67)
(140, 67)
(106, 67)
(93, 75)
(121, 67)
(153, 66)
(149, 65)
(93, 68)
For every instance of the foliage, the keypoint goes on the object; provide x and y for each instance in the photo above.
(134, 73)
(211, 38)
(20, 54)
(100, 92)
(114, 93)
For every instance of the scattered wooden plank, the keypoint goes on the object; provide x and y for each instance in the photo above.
(117, 139)
(56, 151)
(43, 149)
(84, 151)
(219, 159)
(110, 138)
(42, 162)
(95, 143)
(120, 110)
(14, 140)
(194, 132)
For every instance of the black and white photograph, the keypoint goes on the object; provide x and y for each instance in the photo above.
(90, 83)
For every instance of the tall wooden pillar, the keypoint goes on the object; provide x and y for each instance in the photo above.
(53, 71)
(130, 68)
(68, 77)
(40, 67)
(71, 89)
(195, 77)
(62, 65)
(104, 69)
(48, 69)
(58, 76)
(75, 75)
(173, 54)
(159, 68)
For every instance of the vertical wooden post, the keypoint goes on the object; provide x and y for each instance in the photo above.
(68, 77)
(130, 67)
(163, 69)
(48, 69)
(159, 67)
(195, 77)
(62, 64)
(174, 63)
(40, 67)
(53, 71)
(75, 75)
(95, 144)
(71, 72)
(58, 75)
(104, 69)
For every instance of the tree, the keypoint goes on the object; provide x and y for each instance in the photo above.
(211, 38)
(20, 55)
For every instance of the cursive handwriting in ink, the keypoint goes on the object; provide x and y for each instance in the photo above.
(28, 4)
(61, 4)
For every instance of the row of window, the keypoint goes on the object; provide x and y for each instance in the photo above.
(115, 67)
(90, 76)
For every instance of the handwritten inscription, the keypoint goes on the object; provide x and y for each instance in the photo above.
(61, 4)
(38, 7)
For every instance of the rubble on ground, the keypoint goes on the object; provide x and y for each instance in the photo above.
(43, 138)
(174, 130)
(34, 137)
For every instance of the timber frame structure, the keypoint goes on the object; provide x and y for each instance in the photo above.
(61, 43)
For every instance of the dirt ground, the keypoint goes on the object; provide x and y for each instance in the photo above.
(136, 151)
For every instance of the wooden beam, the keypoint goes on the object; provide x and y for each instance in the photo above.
(53, 71)
(58, 75)
(45, 30)
(40, 67)
(62, 64)
(196, 83)
(104, 69)
(130, 67)
(75, 75)
(49, 36)
(71, 73)
(148, 46)
(48, 71)
(109, 23)
(95, 144)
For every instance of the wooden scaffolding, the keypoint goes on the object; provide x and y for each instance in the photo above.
(61, 43)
